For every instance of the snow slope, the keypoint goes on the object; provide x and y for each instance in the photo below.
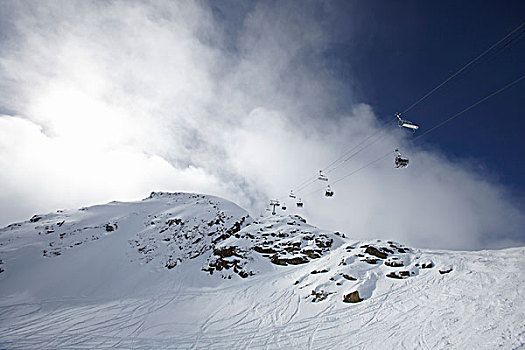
(180, 270)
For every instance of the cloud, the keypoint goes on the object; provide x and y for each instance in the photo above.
(111, 100)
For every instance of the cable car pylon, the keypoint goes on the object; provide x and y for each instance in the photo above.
(274, 203)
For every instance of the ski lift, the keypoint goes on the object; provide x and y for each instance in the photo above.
(283, 207)
(403, 123)
(274, 203)
(292, 195)
(299, 203)
(400, 161)
(329, 192)
(321, 176)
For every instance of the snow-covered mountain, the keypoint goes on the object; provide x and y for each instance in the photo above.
(179, 270)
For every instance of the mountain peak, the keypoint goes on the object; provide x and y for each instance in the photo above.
(182, 269)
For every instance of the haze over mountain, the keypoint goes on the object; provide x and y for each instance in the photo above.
(109, 100)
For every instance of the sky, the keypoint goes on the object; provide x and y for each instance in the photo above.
(110, 100)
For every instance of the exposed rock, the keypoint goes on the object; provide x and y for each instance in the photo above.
(427, 265)
(278, 261)
(394, 275)
(35, 218)
(299, 218)
(171, 264)
(237, 226)
(264, 250)
(445, 270)
(244, 274)
(175, 221)
(375, 252)
(323, 241)
(297, 260)
(53, 253)
(292, 249)
(225, 252)
(394, 263)
(319, 296)
(348, 277)
(352, 297)
(390, 251)
(314, 272)
(311, 254)
(370, 261)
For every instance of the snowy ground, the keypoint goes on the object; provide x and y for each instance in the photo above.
(93, 287)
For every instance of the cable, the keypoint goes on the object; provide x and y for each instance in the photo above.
(470, 107)
(433, 128)
(356, 153)
(327, 169)
(363, 167)
(314, 180)
(463, 68)
(508, 45)
(353, 148)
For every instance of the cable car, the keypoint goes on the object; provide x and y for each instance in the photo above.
(329, 192)
(403, 123)
(292, 195)
(321, 176)
(400, 161)
(283, 207)
(299, 203)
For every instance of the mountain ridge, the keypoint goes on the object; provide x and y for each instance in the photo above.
(192, 270)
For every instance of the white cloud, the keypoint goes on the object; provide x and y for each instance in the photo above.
(115, 99)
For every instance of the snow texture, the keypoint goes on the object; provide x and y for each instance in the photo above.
(182, 270)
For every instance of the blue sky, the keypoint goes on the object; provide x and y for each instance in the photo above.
(111, 100)
(406, 48)
(390, 53)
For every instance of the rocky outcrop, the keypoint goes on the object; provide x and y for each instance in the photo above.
(319, 296)
(348, 277)
(427, 265)
(445, 270)
(375, 252)
(35, 218)
(352, 297)
(394, 263)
